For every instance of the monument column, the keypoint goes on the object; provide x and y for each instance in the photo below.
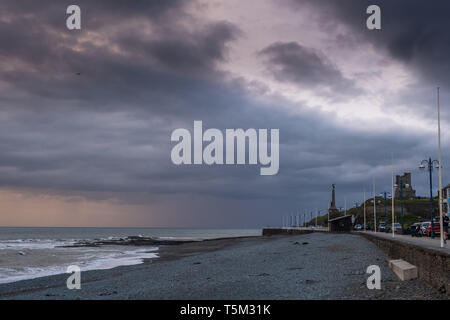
(333, 197)
(333, 212)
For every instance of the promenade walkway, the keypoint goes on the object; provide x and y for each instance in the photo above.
(425, 242)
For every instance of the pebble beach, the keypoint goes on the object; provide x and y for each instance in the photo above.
(312, 266)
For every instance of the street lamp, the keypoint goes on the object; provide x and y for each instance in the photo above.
(423, 165)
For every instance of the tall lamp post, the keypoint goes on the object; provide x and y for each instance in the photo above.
(422, 166)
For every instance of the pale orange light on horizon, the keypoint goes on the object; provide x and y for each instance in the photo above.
(26, 209)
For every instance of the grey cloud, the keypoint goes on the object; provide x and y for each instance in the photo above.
(307, 68)
(36, 31)
(151, 71)
(413, 31)
(183, 51)
(79, 151)
(94, 13)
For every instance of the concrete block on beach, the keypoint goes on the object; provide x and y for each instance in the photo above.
(403, 269)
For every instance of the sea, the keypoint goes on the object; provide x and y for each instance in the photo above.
(32, 252)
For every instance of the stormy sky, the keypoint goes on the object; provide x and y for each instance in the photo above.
(86, 115)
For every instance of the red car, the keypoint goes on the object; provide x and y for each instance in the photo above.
(436, 229)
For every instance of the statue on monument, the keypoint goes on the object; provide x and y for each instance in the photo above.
(333, 196)
(333, 211)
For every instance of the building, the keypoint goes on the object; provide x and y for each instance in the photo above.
(341, 224)
(446, 198)
(403, 185)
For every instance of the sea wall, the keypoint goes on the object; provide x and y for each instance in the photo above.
(285, 232)
(433, 265)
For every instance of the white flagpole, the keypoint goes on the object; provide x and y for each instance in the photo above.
(393, 196)
(364, 209)
(440, 171)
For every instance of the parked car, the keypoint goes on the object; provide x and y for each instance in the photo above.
(415, 230)
(358, 227)
(436, 229)
(397, 227)
(382, 227)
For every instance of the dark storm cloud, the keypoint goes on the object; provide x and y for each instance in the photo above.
(183, 52)
(104, 153)
(413, 31)
(98, 12)
(109, 128)
(306, 68)
(117, 65)
(86, 132)
(36, 31)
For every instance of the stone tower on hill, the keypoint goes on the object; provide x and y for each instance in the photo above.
(403, 184)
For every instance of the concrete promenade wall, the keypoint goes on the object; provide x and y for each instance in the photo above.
(294, 231)
(433, 265)
(284, 231)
